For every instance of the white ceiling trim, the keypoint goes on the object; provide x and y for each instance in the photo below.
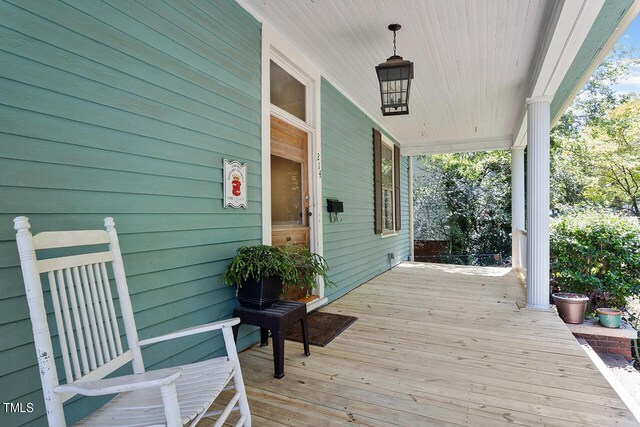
(472, 58)
(575, 19)
(627, 19)
(569, 26)
(273, 29)
(458, 146)
(476, 62)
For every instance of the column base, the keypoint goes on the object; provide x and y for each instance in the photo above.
(544, 307)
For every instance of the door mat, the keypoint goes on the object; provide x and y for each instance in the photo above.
(322, 327)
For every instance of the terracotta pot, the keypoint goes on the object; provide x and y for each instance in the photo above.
(570, 306)
(609, 317)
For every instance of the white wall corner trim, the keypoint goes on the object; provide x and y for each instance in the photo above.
(266, 140)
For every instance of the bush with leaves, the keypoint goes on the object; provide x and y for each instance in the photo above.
(596, 253)
(471, 205)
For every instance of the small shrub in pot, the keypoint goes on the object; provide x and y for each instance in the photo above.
(596, 253)
(258, 273)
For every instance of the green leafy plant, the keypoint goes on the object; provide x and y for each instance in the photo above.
(596, 253)
(308, 266)
(259, 262)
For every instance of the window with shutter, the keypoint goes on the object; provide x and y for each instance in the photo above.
(386, 160)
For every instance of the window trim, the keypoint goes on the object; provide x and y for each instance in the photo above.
(388, 232)
(377, 184)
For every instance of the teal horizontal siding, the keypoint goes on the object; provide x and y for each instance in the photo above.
(127, 109)
(353, 251)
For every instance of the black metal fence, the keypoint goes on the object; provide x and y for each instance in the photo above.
(486, 260)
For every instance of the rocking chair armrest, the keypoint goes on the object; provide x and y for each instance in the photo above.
(151, 379)
(191, 331)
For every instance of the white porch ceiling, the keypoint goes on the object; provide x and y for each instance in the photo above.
(472, 60)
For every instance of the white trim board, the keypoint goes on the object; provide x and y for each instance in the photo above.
(627, 19)
(280, 51)
(458, 146)
(569, 26)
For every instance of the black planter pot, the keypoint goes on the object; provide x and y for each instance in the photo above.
(260, 294)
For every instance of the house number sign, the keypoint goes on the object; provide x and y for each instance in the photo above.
(235, 184)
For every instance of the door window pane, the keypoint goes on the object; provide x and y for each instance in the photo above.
(287, 92)
(286, 191)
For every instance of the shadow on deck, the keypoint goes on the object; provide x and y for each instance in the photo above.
(436, 345)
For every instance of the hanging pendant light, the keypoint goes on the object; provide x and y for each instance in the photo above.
(395, 77)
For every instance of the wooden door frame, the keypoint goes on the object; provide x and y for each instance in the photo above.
(280, 51)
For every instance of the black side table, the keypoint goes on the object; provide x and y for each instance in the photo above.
(276, 319)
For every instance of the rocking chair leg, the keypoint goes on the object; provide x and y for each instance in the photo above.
(243, 402)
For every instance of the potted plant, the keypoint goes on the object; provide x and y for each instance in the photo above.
(571, 307)
(609, 317)
(308, 266)
(258, 273)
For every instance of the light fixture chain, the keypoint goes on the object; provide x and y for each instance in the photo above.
(394, 43)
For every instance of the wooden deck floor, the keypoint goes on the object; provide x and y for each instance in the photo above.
(436, 345)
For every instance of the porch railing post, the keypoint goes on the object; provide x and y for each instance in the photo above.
(517, 205)
(538, 153)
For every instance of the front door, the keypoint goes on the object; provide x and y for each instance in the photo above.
(290, 214)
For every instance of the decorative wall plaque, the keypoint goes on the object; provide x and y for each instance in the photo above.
(235, 184)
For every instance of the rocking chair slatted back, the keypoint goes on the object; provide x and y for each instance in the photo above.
(83, 303)
(86, 318)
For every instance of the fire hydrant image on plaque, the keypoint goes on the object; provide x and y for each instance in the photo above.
(235, 185)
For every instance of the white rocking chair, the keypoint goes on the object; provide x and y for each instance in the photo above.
(91, 346)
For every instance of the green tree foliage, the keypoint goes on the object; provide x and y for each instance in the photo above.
(614, 147)
(475, 199)
(430, 208)
(596, 253)
(595, 145)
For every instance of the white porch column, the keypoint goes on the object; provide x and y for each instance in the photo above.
(538, 141)
(517, 204)
(411, 237)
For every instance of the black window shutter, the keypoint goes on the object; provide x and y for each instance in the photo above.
(377, 180)
(396, 185)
